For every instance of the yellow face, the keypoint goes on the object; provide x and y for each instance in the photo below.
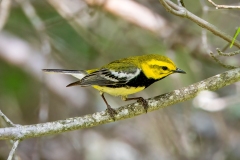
(158, 69)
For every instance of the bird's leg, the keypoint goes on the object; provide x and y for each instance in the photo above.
(139, 99)
(110, 110)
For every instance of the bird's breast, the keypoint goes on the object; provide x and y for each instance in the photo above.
(119, 91)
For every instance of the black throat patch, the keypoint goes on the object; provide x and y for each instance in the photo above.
(139, 81)
(142, 81)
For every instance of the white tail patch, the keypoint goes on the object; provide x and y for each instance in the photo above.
(79, 74)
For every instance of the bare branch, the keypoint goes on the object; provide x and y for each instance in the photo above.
(13, 150)
(181, 11)
(227, 54)
(224, 54)
(219, 62)
(181, 3)
(112, 6)
(124, 112)
(173, 8)
(5, 118)
(223, 6)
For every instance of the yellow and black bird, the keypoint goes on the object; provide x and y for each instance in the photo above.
(124, 77)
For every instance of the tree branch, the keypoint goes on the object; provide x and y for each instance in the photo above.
(154, 22)
(228, 54)
(223, 6)
(6, 119)
(183, 12)
(181, 3)
(13, 150)
(124, 112)
(221, 63)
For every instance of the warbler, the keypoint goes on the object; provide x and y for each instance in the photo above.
(124, 77)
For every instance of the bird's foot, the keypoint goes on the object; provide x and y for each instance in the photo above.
(112, 112)
(144, 103)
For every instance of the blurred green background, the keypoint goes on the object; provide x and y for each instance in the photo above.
(76, 35)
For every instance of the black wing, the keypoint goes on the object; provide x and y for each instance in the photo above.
(106, 77)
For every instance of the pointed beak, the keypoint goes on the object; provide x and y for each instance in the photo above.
(179, 71)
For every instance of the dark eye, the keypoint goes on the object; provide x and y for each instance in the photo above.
(164, 68)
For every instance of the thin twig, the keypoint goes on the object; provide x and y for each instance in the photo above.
(172, 8)
(223, 6)
(183, 12)
(228, 54)
(221, 63)
(204, 39)
(168, 5)
(6, 119)
(124, 112)
(181, 3)
(13, 150)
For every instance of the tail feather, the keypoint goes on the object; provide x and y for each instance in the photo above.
(73, 84)
(76, 73)
(76, 83)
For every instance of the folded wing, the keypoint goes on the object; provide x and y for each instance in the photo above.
(106, 76)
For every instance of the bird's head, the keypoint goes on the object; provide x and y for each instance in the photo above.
(157, 67)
